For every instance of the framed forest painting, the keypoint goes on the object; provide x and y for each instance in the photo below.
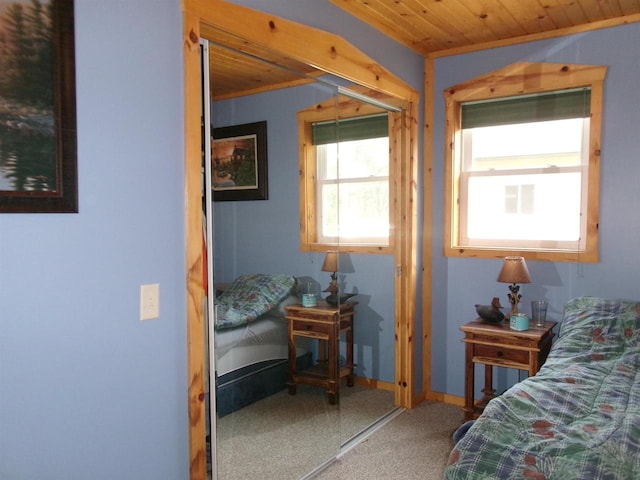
(38, 166)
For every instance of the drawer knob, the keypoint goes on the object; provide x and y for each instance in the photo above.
(499, 354)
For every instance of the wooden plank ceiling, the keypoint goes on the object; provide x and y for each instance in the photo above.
(440, 27)
(239, 68)
(429, 27)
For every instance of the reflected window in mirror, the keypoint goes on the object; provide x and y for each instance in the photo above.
(346, 178)
(352, 180)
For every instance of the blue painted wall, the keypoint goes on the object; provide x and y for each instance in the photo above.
(87, 390)
(460, 283)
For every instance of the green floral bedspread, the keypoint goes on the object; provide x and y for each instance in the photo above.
(250, 296)
(578, 418)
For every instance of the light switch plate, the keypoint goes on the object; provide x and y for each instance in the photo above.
(149, 301)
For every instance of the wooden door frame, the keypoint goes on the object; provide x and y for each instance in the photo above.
(332, 54)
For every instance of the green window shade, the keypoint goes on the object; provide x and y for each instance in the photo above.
(547, 106)
(360, 128)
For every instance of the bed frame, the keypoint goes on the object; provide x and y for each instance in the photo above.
(242, 387)
(578, 417)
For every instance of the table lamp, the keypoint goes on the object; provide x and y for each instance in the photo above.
(514, 271)
(334, 262)
(330, 264)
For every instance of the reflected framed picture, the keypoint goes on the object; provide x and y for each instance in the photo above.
(239, 162)
(38, 154)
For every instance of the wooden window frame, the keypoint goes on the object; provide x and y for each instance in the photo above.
(514, 80)
(326, 111)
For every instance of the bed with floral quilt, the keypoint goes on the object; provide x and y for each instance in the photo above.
(251, 340)
(578, 418)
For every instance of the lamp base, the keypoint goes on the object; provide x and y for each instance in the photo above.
(514, 310)
(514, 300)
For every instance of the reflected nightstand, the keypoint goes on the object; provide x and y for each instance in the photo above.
(324, 323)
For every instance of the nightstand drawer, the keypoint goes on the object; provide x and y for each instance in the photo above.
(312, 328)
(501, 353)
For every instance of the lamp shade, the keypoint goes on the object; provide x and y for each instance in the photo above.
(514, 270)
(330, 262)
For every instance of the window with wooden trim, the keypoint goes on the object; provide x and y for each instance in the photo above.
(522, 167)
(345, 179)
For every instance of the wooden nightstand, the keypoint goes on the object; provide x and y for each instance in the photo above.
(325, 323)
(498, 345)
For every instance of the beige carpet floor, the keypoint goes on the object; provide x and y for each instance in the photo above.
(283, 437)
(414, 445)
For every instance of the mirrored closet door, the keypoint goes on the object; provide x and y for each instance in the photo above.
(257, 427)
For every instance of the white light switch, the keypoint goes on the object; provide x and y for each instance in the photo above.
(149, 301)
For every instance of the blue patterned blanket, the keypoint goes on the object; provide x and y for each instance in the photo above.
(250, 296)
(578, 418)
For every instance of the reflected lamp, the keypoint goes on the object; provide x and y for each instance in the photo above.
(336, 262)
(330, 264)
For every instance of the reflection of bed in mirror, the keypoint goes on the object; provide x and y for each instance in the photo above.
(251, 339)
